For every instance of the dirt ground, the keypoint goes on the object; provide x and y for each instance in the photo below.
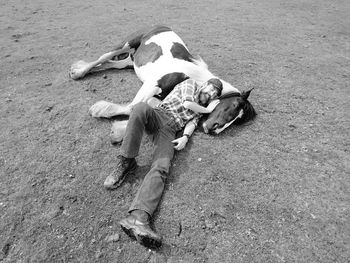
(273, 190)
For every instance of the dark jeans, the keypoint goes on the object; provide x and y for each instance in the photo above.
(163, 128)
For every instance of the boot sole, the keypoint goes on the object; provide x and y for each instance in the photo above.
(144, 240)
(117, 185)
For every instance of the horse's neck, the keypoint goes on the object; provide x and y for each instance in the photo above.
(197, 70)
(200, 72)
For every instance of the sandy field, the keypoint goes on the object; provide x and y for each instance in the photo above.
(273, 190)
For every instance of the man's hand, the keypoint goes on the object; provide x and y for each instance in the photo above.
(180, 143)
(212, 105)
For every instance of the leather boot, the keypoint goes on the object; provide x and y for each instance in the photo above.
(137, 226)
(125, 167)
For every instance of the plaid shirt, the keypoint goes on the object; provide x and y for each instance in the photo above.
(173, 103)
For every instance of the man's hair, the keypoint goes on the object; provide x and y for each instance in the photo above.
(217, 84)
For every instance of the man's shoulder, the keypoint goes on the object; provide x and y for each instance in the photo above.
(188, 82)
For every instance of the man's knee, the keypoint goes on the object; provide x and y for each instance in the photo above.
(162, 165)
(140, 107)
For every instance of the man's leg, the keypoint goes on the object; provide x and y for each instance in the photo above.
(118, 129)
(150, 192)
(142, 117)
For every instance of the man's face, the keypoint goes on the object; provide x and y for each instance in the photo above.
(207, 93)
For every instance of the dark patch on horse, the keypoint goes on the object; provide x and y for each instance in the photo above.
(249, 112)
(168, 82)
(228, 109)
(141, 36)
(135, 39)
(135, 42)
(180, 52)
(155, 31)
(147, 53)
(229, 95)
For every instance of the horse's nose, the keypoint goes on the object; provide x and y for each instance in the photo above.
(211, 128)
(215, 126)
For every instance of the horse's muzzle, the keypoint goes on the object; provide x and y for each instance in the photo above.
(210, 130)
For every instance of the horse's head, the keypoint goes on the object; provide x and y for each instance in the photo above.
(233, 108)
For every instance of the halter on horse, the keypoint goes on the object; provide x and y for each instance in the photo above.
(161, 60)
(234, 108)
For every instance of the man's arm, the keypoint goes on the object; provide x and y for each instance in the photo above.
(181, 142)
(189, 129)
(191, 105)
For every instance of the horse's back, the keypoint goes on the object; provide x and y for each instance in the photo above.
(158, 49)
(155, 30)
(163, 57)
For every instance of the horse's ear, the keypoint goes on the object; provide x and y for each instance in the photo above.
(245, 94)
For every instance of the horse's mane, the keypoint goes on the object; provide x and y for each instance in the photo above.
(249, 112)
(199, 61)
(229, 95)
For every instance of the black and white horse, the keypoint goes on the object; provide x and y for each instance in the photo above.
(161, 60)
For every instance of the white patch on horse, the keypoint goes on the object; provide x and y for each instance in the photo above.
(165, 40)
(165, 64)
(150, 72)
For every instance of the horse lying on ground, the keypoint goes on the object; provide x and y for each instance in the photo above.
(161, 60)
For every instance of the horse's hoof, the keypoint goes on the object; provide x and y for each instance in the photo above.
(78, 69)
(104, 109)
(118, 131)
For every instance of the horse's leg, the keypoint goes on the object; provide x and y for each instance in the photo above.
(114, 64)
(104, 109)
(119, 127)
(148, 89)
(128, 45)
(81, 68)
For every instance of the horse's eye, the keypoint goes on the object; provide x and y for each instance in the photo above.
(233, 114)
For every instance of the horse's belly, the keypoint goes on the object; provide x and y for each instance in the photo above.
(140, 73)
(147, 54)
(153, 70)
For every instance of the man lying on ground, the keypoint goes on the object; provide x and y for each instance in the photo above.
(181, 109)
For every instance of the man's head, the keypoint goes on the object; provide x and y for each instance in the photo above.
(210, 90)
